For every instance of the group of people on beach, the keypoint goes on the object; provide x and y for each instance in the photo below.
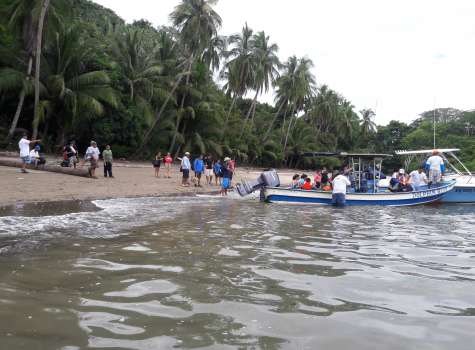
(221, 171)
(92, 155)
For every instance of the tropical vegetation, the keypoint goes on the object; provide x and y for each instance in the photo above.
(75, 70)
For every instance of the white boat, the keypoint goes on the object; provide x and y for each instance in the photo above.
(464, 190)
(362, 192)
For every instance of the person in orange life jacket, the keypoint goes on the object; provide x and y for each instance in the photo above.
(307, 184)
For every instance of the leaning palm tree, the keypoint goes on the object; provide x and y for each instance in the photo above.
(368, 126)
(197, 23)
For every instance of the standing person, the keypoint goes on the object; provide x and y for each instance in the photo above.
(339, 190)
(217, 170)
(418, 178)
(24, 146)
(92, 155)
(168, 164)
(436, 165)
(157, 163)
(226, 181)
(209, 169)
(107, 158)
(199, 167)
(185, 168)
(71, 154)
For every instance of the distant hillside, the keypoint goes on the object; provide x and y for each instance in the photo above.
(90, 12)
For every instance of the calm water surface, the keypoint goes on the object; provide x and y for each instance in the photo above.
(228, 274)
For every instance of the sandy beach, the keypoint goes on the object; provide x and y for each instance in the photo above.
(131, 179)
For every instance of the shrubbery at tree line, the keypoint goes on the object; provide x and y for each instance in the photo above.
(183, 87)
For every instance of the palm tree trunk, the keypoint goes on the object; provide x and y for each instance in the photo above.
(159, 114)
(276, 115)
(288, 130)
(226, 121)
(283, 125)
(182, 105)
(19, 107)
(39, 38)
(248, 114)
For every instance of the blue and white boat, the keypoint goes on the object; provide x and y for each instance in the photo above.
(363, 191)
(464, 189)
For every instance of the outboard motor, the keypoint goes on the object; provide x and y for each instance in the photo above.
(267, 178)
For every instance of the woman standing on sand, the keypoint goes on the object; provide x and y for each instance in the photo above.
(92, 155)
(168, 164)
(157, 163)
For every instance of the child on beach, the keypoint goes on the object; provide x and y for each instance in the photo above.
(168, 164)
(107, 158)
(157, 163)
(198, 166)
(217, 172)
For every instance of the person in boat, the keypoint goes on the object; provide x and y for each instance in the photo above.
(307, 184)
(436, 166)
(302, 180)
(403, 181)
(418, 178)
(340, 182)
(295, 181)
(317, 179)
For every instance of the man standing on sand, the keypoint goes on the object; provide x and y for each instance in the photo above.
(339, 190)
(24, 146)
(185, 168)
(92, 155)
(107, 158)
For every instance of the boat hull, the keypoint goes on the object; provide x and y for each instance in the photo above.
(285, 195)
(463, 192)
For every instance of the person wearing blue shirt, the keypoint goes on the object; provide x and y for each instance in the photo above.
(185, 169)
(199, 167)
(217, 172)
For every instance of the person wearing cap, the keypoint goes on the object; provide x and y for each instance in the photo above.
(92, 155)
(436, 165)
(35, 157)
(185, 168)
(24, 146)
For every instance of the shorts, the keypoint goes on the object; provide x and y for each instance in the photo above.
(198, 174)
(434, 175)
(208, 172)
(225, 184)
(25, 160)
(186, 173)
(93, 163)
(338, 199)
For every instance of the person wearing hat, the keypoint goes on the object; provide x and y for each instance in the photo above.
(92, 155)
(185, 168)
(436, 165)
(35, 157)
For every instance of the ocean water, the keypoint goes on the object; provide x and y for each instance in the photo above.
(213, 273)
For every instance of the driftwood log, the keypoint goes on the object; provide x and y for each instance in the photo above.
(46, 167)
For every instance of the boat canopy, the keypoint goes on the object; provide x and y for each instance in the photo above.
(345, 154)
(427, 151)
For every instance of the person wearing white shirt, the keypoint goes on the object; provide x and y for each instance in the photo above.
(418, 178)
(340, 182)
(435, 163)
(185, 168)
(24, 146)
(92, 155)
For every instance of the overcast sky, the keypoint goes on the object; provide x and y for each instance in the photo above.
(398, 57)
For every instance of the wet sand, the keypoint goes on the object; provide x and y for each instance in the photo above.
(131, 179)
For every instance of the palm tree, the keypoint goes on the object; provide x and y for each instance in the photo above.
(197, 23)
(139, 69)
(27, 17)
(72, 91)
(239, 69)
(266, 64)
(302, 90)
(368, 126)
